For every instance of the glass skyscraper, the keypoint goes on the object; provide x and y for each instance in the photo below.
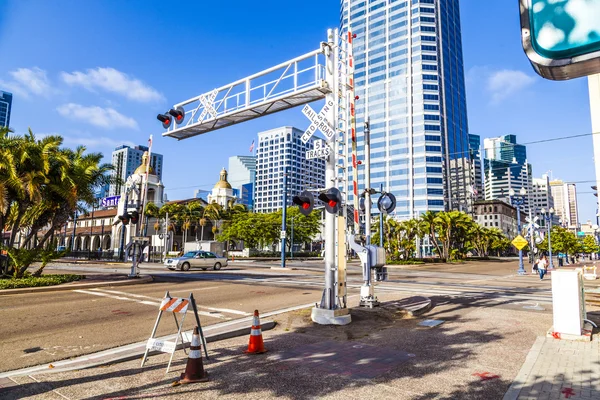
(5, 106)
(505, 167)
(409, 77)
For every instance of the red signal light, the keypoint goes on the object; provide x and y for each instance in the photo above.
(306, 206)
(178, 113)
(165, 119)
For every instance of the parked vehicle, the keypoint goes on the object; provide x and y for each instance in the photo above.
(197, 259)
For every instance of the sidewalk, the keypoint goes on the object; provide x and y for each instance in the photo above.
(557, 369)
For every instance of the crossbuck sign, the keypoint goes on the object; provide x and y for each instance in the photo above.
(318, 121)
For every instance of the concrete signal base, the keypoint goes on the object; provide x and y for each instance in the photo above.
(586, 334)
(323, 316)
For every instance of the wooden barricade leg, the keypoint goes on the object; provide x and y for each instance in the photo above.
(176, 340)
(153, 332)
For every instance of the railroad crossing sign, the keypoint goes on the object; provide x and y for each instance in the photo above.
(318, 121)
(519, 242)
(320, 150)
(208, 101)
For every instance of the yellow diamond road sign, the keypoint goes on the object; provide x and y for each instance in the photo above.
(519, 242)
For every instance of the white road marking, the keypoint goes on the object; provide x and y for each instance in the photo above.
(150, 303)
(96, 292)
(140, 296)
(226, 310)
(194, 290)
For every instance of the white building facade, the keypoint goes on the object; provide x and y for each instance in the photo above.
(126, 159)
(279, 150)
(565, 203)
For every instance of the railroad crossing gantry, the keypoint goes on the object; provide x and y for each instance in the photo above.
(284, 86)
(325, 73)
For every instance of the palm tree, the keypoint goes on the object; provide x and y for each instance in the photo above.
(429, 226)
(213, 212)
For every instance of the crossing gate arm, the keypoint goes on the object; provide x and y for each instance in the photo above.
(284, 86)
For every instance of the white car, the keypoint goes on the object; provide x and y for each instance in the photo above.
(197, 259)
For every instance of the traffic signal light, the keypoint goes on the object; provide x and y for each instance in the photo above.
(332, 199)
(305, 201)
(177, 113)
(125, 218)
(166, 120)
(561, 38)
(386, 203)
(135, 217)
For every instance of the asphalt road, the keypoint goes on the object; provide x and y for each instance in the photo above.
(45, 327)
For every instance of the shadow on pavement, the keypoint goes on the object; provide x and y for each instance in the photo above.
(380, 347)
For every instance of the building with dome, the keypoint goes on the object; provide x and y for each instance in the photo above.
(126, 159)
(222, 192)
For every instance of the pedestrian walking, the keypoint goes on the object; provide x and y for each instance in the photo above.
(542, 265)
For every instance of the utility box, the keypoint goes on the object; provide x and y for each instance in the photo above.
(568, 302)
(377, 256)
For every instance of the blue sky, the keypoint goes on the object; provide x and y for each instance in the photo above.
(98, 72)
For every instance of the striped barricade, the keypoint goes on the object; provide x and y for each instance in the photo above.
(175, 305)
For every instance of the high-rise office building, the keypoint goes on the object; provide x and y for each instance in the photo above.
(5, 108)
(242, 175)
(476, 171)
(541, 198)
(126, 159)
(505, 167)
(565, 203)
(280, 149)
(409, 77)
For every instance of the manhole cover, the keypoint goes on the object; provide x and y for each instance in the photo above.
(431, 322)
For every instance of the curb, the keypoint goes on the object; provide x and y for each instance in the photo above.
(514, 389)
(415, 306)
(126, 353)
(62, 287)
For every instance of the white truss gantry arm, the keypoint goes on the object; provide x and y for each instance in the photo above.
(287, 85)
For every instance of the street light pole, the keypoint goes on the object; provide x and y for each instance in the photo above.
(284, 216)
(292, 243)
(518, 201)
(548, 217)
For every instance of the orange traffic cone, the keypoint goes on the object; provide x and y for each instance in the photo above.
(256, 344)
(194, 370)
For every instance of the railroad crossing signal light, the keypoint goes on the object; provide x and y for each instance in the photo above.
(386, 203)
(178, 114)
(305, 201)
(125, 218)
(332, 199)
(561, 39)
(166, 120)
(135, 217)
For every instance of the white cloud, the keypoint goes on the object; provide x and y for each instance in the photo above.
(102, 117)
(28, 81)
(505, 83)
(114, 81)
